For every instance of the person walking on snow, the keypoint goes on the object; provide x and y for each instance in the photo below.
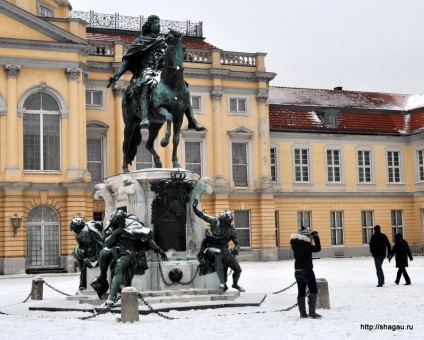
(401, 252)
(378, 244)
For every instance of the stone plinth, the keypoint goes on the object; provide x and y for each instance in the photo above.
(323, 298)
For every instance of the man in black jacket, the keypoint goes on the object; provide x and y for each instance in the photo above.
(378, 245)
(303, 269)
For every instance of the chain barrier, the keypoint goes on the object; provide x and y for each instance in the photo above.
(56, 290)
(283, 290)
(176, 283)
(108, 308)
(152, 310)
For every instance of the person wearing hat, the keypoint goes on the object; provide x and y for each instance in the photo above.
(378, 245)
(303, 269)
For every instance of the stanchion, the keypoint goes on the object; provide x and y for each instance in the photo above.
(37, 288)
(129, 305)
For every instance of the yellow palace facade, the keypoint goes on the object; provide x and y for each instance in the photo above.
(275, 161)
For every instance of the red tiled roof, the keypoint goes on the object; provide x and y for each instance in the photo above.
(357, 112)
(129, 38)
(291, 119)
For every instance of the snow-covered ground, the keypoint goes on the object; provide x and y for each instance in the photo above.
(356, 306)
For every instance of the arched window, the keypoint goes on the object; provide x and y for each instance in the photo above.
(43, 237)
(41, 126)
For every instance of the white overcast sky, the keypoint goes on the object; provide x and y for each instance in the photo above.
(362, 45)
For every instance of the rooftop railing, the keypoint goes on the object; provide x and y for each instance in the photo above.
(127, 23)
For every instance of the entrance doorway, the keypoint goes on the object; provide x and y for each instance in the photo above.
(43, 237)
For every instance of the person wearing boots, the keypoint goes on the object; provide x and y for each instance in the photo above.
(303, 248)
(401, 252)
(378, 244)
(214, 254)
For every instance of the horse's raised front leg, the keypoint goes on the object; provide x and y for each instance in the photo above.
(175, 142)
(168, 116)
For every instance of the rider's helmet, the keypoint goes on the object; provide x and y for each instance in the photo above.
(77, 224)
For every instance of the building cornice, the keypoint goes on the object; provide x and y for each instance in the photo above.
(38, 63)
(44, 46)
(39, 24)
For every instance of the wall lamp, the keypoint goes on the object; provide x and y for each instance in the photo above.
(16, 222)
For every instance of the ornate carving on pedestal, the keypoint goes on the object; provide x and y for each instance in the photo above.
(169, 212)
(12, 70)
(136, 197)
(72, 73)
(216, 96)
(118, 90)
(104, 192)
(262, 98)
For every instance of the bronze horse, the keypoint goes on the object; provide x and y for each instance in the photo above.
(170, 100)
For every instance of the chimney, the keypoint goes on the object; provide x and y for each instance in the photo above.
(338, 88)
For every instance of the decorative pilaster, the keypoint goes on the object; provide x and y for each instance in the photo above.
(12, 168)
(219, 180)
(74, 171)
(263, 141)
(118, 92)
(72, 73)
(12, 70)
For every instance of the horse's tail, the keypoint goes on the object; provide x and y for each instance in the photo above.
(131, 143)
(132, 133)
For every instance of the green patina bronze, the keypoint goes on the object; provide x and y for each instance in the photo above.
(214, 255)
(90, 243)
(126, 240)
(149, 103)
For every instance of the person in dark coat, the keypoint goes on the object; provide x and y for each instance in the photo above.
(401, 252)
(303, 269)
(378, 245)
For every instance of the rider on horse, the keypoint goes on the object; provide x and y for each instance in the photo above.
(145, 60)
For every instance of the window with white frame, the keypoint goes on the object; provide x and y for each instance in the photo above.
(96, 150)
(242, 225)
(238, 105)
(273, 163)
(95, 159)
(393, 166)
(143, 158)
(239, 164)
(196, 102)
(367, 221)
(94, 98)
(336, 225)
(44, 10)
(420, 165)
(303, 219)
(193, 156)
(277, 227)
(364, 166)
(397, 223)
(334, 166)
(301, 165)
(41, 132)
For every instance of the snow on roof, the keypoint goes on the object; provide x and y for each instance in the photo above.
(344, 99)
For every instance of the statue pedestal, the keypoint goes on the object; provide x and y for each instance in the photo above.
(162, 200)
